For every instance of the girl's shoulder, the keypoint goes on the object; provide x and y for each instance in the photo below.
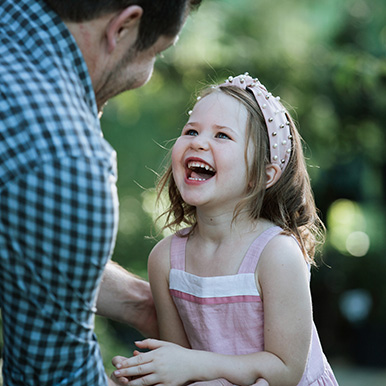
(160, 254)
(282, 243)
(162, 249)
(282, 269)
(283, 253)
(159, 261)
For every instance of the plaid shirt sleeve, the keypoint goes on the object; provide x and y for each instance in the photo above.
(60, 221)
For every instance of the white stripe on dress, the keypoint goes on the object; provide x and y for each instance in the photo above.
(209, 287)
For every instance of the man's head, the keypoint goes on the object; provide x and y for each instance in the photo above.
(160, 17)
(120, 39)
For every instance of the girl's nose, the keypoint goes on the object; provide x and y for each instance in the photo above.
(200, 142)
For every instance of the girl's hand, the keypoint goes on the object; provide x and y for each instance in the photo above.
(116, 361)
(119, 380)
(224, 382)
(167, 364)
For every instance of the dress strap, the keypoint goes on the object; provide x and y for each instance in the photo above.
(177, 252)
(252, 256)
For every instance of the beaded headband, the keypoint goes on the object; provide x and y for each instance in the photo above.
(275, 116)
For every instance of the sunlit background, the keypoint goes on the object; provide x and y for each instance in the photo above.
(326, 59)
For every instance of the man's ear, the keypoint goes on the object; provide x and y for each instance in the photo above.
(273, 172)
(122, 22)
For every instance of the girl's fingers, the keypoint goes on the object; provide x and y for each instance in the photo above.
(148, 380)
(119, 381)
(150, 344)
(123, 381)
(261, 382)
(134, 371)
(137, 360)
(117, 360)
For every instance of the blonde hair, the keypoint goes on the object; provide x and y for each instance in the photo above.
(289, 203)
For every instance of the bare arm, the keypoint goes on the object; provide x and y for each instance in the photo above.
(284, 280)
(127, 298)
(169, 322)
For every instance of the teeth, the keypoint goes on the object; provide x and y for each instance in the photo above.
(196, 179)
(195, 164)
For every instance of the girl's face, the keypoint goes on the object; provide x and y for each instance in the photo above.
(208, 159)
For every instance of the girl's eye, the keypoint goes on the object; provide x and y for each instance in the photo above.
(222, 136)
(191, 132)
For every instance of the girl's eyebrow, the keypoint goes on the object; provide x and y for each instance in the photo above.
(192, 123)
(217, 127)
(227, 128)
(189, 124)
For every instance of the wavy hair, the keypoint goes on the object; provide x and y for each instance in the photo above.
(289, 203)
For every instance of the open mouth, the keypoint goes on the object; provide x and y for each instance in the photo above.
(199, 171)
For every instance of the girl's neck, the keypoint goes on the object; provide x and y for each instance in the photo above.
(217, 245)
(217, 228)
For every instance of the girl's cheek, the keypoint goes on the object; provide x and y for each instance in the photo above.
(176, 149)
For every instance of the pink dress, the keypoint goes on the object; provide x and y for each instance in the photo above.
(225, 314)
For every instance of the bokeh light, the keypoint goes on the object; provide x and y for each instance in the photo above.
(346, 224)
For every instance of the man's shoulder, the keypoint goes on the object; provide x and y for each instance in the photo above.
(39, 58)
(42, 119)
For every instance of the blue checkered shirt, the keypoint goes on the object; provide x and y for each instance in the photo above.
(58, 202)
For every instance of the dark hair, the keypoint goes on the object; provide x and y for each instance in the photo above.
(289, 203)
(160, 17)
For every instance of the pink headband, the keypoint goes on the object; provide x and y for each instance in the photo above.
(274, 114)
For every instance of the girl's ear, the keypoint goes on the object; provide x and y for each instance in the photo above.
(273, 172)
(124, 21)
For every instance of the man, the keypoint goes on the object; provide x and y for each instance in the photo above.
(60, 61)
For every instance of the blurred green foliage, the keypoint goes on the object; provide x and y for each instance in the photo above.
(326, 59)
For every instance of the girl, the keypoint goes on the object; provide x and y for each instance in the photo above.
(232, 290)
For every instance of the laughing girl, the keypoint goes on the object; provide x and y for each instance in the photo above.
(232, 289)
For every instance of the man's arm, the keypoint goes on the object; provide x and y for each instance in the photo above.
(127, 298)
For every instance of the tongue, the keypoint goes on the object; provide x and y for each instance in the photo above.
(202, 175)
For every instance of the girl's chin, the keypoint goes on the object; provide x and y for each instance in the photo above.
(193, 200)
